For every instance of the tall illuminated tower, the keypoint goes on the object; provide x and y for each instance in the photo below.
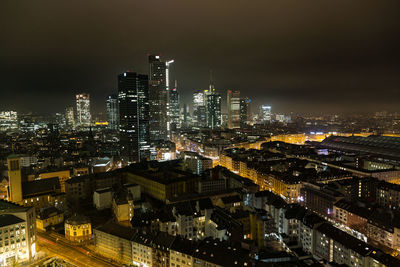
(134, 115)
(174, 107)
(69, 117)
(112, 112)
(213, 108)
(159, 97)
(212, 101)
(233, 109)
(83, 116)
(265, 113)
(244, 111)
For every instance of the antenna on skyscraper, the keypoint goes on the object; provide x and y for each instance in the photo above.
(211, 81)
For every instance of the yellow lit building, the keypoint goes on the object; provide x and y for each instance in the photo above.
(14, 178)
(78, 228)
(49, 217)
(163, 185)
(80, 171)
(290, 138)
(38, 193)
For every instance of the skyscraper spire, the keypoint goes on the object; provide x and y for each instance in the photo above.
(212, 87)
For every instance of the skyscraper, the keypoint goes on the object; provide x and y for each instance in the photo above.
(159, 98)
(174, 107)
(83, 116)
(112, 112)
(213, 108)
(134, 115)
(244, 111)
(69, 117)
(233, 109)
(198, 101)
(265, 113)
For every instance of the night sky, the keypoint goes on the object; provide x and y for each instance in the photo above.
(302, 56)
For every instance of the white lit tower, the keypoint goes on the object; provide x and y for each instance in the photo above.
(83, 116)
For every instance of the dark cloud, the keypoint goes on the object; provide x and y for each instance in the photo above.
(295, 55)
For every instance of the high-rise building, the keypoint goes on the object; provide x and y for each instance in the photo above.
(69, 117)
(244, 111)
(198, 101)
(265, 113)
(83, 116)
(233, 109)
(8, 120)
(159, 98)
(112, 112)
(174, 104)
(213, 108)
(134, 115)
(201, 119)
(60, 120)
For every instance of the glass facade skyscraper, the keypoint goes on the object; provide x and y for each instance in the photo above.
(134, 115)
(213, 108)
(174, 107)
(83, 116)
(112, 112)
(159, 98)
(233, 109)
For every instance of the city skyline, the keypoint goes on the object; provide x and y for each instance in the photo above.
(199, 133)
(289, 62)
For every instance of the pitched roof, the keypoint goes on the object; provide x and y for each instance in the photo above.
(112, 228)
(32, 188)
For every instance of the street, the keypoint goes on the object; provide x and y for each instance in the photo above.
(53, 245)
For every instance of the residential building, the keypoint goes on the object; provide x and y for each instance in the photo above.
(48, 217)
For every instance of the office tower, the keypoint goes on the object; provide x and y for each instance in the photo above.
(233, 109)
(244, 111)
(213, 108)
(60, 121)
(134, 115)
(83, 117)
(174, 107)
(112, 112)
(265, 113)
(69, 117)
(201, 119)
(8, 120)
(198, 101)
(159, 98)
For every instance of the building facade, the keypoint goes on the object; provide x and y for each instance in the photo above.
(83, 115)
(233, 108)
(134, 114)
(112, 112)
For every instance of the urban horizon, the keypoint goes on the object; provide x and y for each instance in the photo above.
(199, 133)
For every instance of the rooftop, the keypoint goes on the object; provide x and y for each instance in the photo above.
(9, 219)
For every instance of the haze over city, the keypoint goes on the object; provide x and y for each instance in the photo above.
(335, 56)
(206, 133)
